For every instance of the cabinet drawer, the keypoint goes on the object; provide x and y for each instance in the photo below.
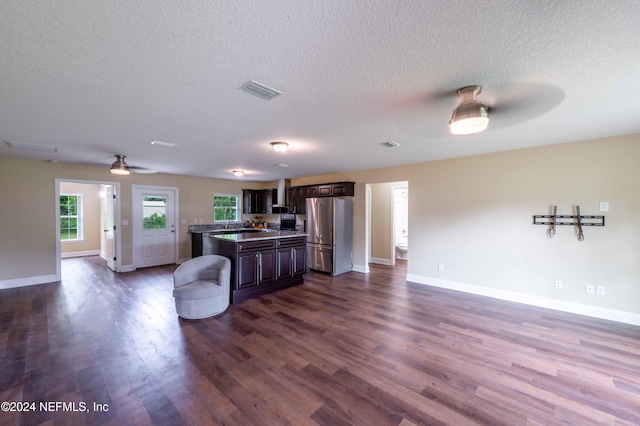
(255, 245)
(291, 242)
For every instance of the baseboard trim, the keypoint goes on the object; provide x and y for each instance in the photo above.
(24, 282)
(80, 254)
(181, 261)
(127, 268)
(382, 261)
(542, 302)
(360, 268)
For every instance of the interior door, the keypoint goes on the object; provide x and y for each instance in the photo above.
(154, 234)
(108, 227)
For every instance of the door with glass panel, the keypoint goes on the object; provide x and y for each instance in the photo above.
(154, 235)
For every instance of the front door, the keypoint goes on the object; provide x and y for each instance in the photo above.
(154, 229)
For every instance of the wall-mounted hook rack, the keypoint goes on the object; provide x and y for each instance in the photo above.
(576, 220)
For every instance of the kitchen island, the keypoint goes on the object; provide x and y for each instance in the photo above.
(262, 262)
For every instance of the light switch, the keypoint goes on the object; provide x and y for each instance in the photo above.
(604, 206)
(125, 222)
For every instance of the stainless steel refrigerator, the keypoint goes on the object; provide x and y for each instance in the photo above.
(330, 234)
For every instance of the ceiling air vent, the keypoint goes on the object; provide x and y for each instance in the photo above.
(391, 144)
(260, 90)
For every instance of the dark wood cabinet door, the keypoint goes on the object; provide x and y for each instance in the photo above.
(312, 191)
(267, 267)
(247, 273)
(324, 191)
(283, 263)
(267, 200)
(299, 261)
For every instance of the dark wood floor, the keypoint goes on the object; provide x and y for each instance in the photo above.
(354, 349)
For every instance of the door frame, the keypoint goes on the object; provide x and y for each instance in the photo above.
(394, 187)
(116, 220)
(135, 233)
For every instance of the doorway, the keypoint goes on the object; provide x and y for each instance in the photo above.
(154, 231)
(386, 211)
(89, 219)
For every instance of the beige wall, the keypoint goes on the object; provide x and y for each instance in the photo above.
(474, 216)
(471, 214)
(90, 215)
(28, 228)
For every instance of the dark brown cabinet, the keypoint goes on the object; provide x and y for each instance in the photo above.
(256, 268)
(258, 201)
(291, 257)
(339, 189)
(264, 266)
(297, 195)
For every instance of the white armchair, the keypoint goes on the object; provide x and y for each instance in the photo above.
(202, 286)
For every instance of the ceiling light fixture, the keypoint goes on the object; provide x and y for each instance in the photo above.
(238, 173)
(260, 90)
(280, 146)
(470, 116)
(120, 167)
(165, 144)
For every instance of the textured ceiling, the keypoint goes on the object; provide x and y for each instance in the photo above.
(97, 78)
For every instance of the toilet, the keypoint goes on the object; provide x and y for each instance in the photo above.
(401, 250)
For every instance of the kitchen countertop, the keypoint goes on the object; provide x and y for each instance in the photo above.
(265, 235)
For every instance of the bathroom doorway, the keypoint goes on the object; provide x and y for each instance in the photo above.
(400, 202)
(387, 222)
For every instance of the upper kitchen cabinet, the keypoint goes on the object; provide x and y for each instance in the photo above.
(258, 201)
(339, 189)
(297, 195)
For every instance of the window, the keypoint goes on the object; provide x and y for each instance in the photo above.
(154, 212)
(70, 217)
(226, 207)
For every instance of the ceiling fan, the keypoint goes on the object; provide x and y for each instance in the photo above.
(120, 167)
(507, 104)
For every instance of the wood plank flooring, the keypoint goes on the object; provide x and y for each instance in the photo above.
(363, 349)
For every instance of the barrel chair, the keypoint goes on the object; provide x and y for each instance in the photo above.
(202, 287)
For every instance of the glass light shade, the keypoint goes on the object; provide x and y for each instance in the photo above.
(470, 116)
(238, 172)
(280, 146)
(120, 167)
(469, 125)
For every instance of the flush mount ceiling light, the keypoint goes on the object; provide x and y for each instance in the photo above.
(120, 167)
(165, 144)
(260, 90)
(391, 144)
(470, 116)
(280, 146)
(238, 173)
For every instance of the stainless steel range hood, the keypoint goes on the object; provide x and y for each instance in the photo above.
(280, 206)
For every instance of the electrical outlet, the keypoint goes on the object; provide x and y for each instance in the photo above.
(558, 284)
(601, 290)
(590, 289)
(440, 267)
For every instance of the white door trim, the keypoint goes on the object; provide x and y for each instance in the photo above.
(135, 233)
(118, 233)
